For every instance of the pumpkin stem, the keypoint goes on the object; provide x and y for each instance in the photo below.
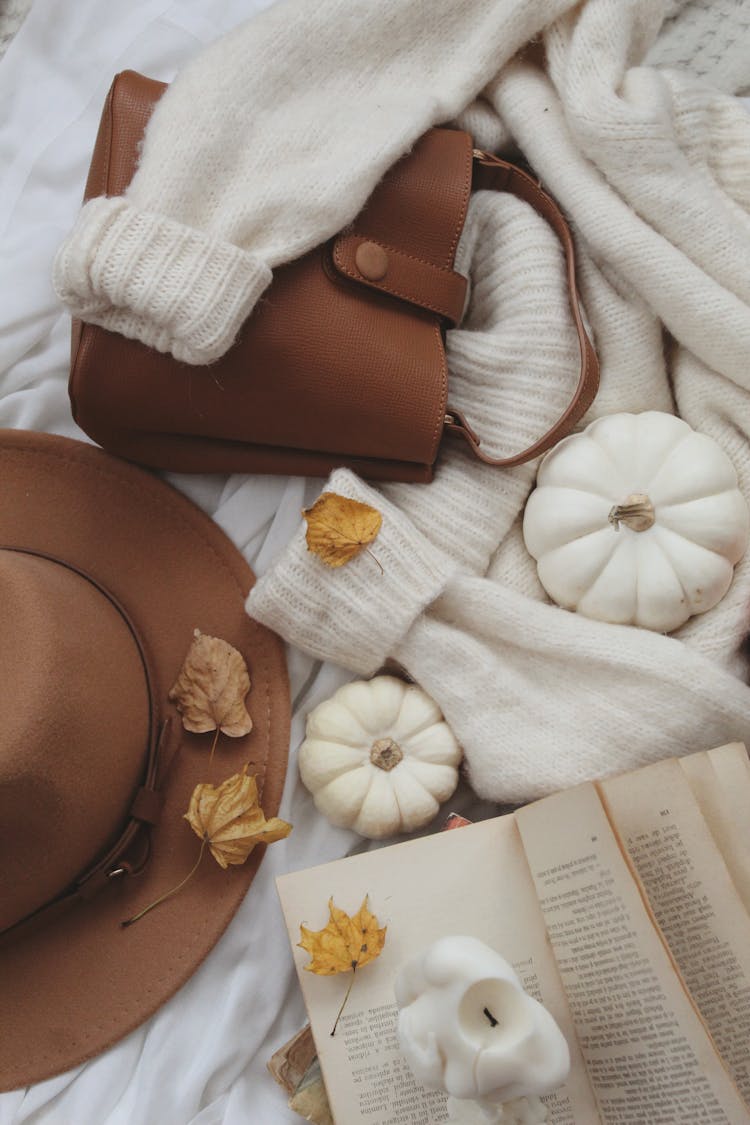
(386, 754)
(637, 513)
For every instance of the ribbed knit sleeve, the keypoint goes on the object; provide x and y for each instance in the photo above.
(154, 279)
(356, 614)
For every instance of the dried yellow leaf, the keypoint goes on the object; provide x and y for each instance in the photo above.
(211, 688)
(338, 528)
(346, 943)
(230, 821)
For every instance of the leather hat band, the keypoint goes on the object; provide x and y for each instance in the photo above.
(130, 852)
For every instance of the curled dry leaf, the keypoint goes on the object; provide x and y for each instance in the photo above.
(230, 820)
(344, 945)
(338, 528)
(211, 688)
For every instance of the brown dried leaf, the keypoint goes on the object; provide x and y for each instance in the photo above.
(339, 528)
(211, 688)
(345, 944)
(230, 820)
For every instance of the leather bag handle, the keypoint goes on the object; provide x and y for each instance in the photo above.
(499, 175)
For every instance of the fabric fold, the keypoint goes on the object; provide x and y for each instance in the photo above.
(356, 614)
(542, 699)
(176, 288)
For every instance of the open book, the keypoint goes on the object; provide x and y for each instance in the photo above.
(623, 905)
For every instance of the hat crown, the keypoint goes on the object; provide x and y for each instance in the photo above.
(74, 732)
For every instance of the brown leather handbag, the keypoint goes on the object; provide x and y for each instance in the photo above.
(342, 362)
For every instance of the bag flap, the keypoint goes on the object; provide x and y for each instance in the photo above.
(404, 240)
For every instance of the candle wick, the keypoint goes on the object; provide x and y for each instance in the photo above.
(490, 1017)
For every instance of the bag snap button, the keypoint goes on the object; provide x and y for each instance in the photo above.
(371, 260)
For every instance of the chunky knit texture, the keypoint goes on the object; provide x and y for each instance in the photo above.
(652, 165)
(268, 144)
(175, 288)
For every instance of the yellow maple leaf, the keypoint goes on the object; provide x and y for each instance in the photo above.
(344, 945)
(229, 822)
(211, 688)
(338, 528)
(229, 819)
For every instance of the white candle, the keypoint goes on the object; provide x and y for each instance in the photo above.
(467, 1026)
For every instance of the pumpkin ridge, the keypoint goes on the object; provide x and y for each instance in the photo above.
(666, 533)
(378, 782)
(623, 545)
(579, 539)
(414, 767)
(425, 791)
(545, 529)
(439, 730)
(664, 467)
(409, 732)
(614, 546)
(696, 499)
(345, 742)
(693, 543)
(680, 583)
(666, 455)
(601, 493)
(619, 470)
(420, 729)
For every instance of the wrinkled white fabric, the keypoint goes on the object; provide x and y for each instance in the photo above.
(201, 1060)
(652, 167)
(181, 258)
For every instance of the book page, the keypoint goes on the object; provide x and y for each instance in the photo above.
(648, 1054)
(720, 780)
(693, 898)
(473, 881)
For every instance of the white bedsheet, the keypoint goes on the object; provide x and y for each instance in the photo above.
(202, 1058)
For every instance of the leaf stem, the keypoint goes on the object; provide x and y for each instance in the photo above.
(343, 1002)
(377, 560)
(168, 894)
(213, 746)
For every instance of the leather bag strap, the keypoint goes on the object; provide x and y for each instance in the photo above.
(494, 173)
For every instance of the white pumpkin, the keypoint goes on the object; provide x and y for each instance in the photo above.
(378, 757)
(638, 520)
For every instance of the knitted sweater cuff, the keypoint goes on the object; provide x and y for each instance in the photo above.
(353, 615)
(174, 288)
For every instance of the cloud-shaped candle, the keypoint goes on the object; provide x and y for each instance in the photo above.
(467, 1026)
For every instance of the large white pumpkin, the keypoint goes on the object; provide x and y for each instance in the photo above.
(638, 520)
(379, 757)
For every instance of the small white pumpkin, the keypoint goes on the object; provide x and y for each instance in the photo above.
(379, 757)
(638, 520)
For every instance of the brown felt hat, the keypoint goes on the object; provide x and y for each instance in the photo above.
(105, 572)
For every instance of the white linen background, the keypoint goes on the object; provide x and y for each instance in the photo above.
(201, 1059)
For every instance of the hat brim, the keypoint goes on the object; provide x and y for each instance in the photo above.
(74, 986)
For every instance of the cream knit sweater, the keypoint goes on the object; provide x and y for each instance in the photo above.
(652, 165)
